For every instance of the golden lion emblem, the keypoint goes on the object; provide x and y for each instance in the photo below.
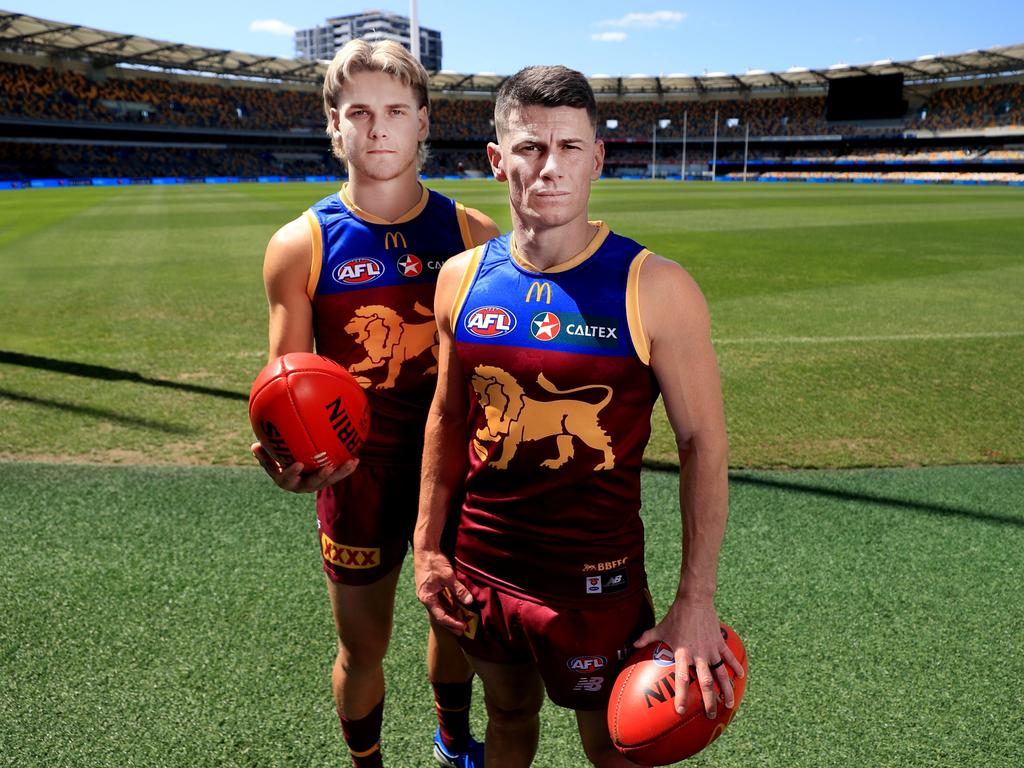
(389, 340)
(517, 418)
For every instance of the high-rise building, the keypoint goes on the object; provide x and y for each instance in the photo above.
(322, 42)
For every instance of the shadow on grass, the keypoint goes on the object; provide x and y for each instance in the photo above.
(931, 508)
(97, 413)
(88, 371)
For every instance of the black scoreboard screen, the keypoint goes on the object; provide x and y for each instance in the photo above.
(865, 97)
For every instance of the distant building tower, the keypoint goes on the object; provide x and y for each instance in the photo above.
(323, 41)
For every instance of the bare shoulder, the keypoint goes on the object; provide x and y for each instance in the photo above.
(453, 270)
(288, 253)
(292, 236)
(449, 280)
(671, 298)
(481, 227)
(291, 241)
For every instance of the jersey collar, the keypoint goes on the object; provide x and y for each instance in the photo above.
(595, 242)
(369, 218)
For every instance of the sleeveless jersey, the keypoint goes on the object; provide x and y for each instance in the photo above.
(560, 396)
(372, 286)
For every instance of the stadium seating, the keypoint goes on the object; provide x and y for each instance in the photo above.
(277, 130)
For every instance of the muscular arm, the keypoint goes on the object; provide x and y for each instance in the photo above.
(444, 463)
(285, 277)
(676, 320)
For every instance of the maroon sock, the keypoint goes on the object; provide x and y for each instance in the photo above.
(363, 737)
(452, 702)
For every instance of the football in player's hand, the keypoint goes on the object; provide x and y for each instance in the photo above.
(307, 408)
(642, 718)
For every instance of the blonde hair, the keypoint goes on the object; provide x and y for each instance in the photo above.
(380, 56)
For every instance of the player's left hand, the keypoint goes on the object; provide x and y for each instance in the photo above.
(440, 591)
(691, 628)
(290, 478)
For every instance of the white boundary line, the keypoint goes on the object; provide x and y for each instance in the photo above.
(858, 339)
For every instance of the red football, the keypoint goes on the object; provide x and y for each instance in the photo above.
(642, 717)
(305, 407)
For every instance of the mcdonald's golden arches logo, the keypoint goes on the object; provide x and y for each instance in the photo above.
(542, 288)
(392, 239)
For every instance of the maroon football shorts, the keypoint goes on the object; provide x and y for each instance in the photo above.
(578, 651)
(365, 522)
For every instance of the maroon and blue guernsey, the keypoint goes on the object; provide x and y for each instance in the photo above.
(372, 286)
(560, 397)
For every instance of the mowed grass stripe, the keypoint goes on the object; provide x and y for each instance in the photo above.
(965, 301)
(868, 339)
(177, 617)
(165, 283)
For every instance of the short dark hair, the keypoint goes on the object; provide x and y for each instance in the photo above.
(544, 86)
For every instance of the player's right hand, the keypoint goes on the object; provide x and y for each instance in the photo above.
(290, 478)
(439, 590)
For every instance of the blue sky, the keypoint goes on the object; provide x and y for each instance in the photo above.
(656, 37)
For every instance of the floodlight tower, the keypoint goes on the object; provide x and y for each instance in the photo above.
(682, 176)
(414, 30)
(662, 123)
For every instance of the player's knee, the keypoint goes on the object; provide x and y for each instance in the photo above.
(361, 654)
(604, 755)
(511, 715)
(598, 747)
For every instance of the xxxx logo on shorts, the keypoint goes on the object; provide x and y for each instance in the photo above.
(342, 555)
(470, 618)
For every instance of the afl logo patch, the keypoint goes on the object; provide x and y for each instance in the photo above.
(489, 322)
(410, 265)
(545, 326)
(357, 271)
(663, 656)
(587, 663)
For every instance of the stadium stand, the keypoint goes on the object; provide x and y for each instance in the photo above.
(75, 104)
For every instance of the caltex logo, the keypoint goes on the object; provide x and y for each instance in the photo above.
(410, 265)
(545, 326)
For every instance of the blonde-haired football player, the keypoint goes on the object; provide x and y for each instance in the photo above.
(353, 278)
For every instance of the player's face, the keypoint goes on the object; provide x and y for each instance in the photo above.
(548, 156)
(380, 125)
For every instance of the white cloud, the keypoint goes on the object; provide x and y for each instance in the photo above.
(273, 26)
(652, 19)
(609, 37)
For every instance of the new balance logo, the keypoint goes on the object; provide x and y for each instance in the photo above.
(590, 684)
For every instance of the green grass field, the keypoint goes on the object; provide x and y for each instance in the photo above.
(856, 325)
(162, 616)
(167, 612)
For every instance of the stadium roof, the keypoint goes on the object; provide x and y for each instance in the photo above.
(28, 34)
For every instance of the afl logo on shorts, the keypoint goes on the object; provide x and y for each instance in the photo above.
(410, 265)
(545, 326)
(357, 271)
(587, 663)
(490, 322)
(663, 656)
